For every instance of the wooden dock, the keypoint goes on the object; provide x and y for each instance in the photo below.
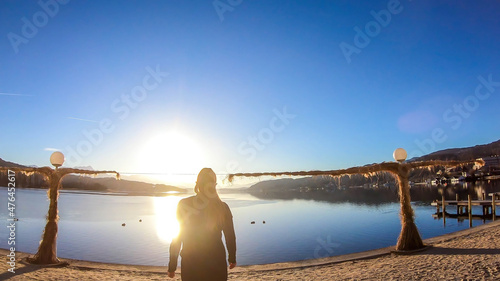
(461, 218)
(465, 206)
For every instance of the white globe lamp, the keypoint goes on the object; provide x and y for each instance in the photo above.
(399, 155)
(57, 159)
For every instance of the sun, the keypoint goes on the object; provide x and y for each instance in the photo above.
(170, 154)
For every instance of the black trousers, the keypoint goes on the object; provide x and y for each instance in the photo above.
(204, 268)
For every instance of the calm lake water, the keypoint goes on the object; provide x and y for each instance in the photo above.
(90, 226)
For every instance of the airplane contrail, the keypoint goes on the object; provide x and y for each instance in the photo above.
(18, 95)
(81, 119)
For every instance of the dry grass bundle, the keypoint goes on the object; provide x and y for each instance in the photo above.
(47, 250)
(409, 238)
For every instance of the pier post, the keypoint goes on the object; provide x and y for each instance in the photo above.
(442, 203)
(469, 209)
(458, 207)
(493, 207)
(484, 196)
(444, 211)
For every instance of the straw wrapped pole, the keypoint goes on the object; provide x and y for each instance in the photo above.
(409, 238)
(47, 250)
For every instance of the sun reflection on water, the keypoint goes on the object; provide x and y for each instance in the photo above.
(167, 226)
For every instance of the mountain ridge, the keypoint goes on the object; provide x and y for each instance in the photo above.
(465, 153)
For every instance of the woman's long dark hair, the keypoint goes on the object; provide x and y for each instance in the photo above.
(209, 201)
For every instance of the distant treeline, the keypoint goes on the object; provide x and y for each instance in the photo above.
(74, 182)
(382, 195)
(38, 181)
(23, 180)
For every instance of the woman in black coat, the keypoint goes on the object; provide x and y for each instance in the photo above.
(202, 220)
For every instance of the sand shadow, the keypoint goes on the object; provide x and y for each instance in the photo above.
(26, 269)
(459, 251)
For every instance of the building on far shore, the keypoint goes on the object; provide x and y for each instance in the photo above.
(491, 164)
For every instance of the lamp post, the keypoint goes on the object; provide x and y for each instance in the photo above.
(47, 250)
(409, 238)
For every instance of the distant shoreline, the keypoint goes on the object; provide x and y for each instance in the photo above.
(110, 192)
(269, 190)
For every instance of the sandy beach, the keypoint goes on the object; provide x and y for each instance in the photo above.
(472, 254)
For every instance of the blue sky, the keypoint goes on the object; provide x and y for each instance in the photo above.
(172, 86)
